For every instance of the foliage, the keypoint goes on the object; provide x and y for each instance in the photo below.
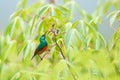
(88, 55)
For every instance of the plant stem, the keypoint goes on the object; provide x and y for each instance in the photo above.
(65, 60)
(60, 49)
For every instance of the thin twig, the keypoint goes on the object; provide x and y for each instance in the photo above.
(60, 49)
(65, 60)
(55, 34)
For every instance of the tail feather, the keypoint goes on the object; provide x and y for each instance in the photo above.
(33, 56)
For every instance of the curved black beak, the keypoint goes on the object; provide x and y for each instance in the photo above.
(44, 35)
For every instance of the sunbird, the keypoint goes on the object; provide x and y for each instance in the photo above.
(43, 45)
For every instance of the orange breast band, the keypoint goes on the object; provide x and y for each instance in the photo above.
(45, 48)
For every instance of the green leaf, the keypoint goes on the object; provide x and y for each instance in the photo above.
(15, 14)
(62, 9)
(44, 10)
(21, 47)
(94, 25)
(102, 40)
(113, 16)
(112, 41)
(75, 23)
(97, 19)
(21, 4)
(34, 7)
(106, 6)
(97, 44)
(16, 76)
(68, 26)
(116, 6)
(52, 13)
(33, 24)
(8, 28)
(27, 50)
(71, 38)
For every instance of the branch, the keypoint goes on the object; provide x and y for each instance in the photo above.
(60, 50)
(65, 59)
(55, 33)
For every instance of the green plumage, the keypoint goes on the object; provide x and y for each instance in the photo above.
(42, 44)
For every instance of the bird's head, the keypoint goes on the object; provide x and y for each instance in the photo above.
(42, 37)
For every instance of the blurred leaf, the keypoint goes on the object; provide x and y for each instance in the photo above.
(33, 24)
(71, 38)
(27, 50)
(113, 16)
(21, 47)
(114, 41)
(116, 6)
(62, 9)
(106, 7)
(34, 7)
(75, 24)
(21, 4)
(81, 43)
(68, 26)
(97, 44)
(15, 14)
(43, 11)
(16, 76)
(8, 28)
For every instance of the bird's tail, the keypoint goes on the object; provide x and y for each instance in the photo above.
(33, 56)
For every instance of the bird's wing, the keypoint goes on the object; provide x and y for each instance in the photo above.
(37, 51)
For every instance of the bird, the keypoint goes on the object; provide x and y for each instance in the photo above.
(42, 46)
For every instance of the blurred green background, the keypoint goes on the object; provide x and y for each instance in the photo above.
(7, 7)
(84, 41)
